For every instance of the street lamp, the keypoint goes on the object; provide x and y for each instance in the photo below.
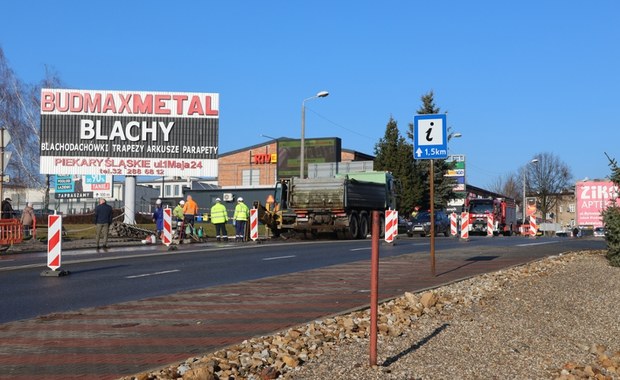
(534, 161)
(302, 152)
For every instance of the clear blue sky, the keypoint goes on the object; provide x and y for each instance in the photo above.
(517, 78)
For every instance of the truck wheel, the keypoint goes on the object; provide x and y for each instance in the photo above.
(353, 229)
(363, 229)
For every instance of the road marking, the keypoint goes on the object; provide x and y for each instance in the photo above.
(278, 257)
(360, 249)
(153, 274)
(540, 243)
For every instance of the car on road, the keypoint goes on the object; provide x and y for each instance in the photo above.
(421, 224)
(599, 232)
(403, 225)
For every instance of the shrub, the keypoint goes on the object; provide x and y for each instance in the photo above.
(611, 220)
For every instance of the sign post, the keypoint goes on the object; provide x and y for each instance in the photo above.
(5, 138)
(430, 143)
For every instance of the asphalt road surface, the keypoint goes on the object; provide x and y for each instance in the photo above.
(133, 273)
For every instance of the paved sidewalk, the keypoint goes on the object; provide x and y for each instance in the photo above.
(128, 338)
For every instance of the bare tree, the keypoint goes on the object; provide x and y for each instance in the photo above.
(507, 185)
(547, 178)
(19, 115)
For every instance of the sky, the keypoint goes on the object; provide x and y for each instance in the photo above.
(516, 78)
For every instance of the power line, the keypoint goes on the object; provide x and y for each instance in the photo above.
(338, 125)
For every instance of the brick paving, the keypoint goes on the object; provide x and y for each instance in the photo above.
(124, 339)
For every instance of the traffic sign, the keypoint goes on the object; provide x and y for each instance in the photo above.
(430, 137)
(7, 158)
(6, 137)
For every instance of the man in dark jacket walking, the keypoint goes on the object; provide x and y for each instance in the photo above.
(7, 209)
(103, 219)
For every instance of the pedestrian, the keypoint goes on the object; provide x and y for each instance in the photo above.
(178, 214)
(240, 218)
(7, 209)
(27, 219)
(219, 217)
(103, 219)
(158, 218)
(190, 210)
(415, 212)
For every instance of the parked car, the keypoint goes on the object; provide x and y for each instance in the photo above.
(421, 224)
(599, 232)
(403, 225)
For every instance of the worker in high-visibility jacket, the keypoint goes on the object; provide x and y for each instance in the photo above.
(190, 210)
(178, 215)
(240, 218)
(219, 217)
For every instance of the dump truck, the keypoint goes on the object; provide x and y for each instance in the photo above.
(342, 204)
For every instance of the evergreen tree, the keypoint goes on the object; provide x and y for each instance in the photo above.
(611, 219)
(393, 154)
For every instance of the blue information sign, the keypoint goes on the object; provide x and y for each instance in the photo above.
(430, 137)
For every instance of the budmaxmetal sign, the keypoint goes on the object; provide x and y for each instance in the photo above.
(129, 133)
(592, 197)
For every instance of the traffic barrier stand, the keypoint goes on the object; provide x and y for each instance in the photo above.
(54, 247)
(167, 233)
(465, 226)
(254, 224)
(490, 225)
(453, 226)
(11, 231)
(391, 225)
(533, 226)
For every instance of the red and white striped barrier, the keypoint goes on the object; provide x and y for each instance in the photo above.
(533, 226)
(490, 225)
(254, 224)
(391, 225)
(465, 225)
(54, 241)
(54, 247)
(167, 234)
(453, 226)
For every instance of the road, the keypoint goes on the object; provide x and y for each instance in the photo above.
(135, 273)
(133, 309)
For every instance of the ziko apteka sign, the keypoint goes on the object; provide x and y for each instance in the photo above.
(129, 133)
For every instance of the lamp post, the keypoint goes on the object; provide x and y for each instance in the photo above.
(534, 161)
(302, 152)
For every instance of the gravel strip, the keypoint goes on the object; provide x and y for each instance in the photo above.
(552, 319)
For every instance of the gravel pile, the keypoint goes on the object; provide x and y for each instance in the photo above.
(552, 319)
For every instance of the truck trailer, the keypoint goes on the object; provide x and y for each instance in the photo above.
(342, 204)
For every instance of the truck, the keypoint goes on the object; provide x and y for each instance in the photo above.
(341, 204)
(504, 211)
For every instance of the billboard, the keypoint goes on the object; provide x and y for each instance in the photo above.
(88, 186)
(458, 172)
(591, 198)
(129, 133)
(315, 151)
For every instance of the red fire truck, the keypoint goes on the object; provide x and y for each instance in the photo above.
(503, 210)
